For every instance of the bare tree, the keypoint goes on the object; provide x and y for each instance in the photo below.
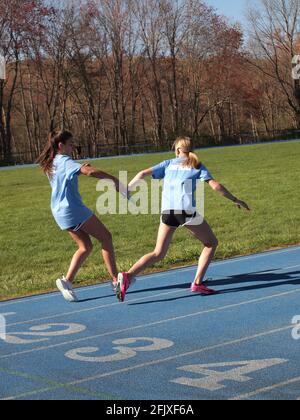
(118, 73)
(176, 27)
(10, 51)
(150, 21)
(275, 27)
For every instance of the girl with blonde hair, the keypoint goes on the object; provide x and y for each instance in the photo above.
(180, 177)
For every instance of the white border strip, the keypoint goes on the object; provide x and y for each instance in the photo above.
(154, 275)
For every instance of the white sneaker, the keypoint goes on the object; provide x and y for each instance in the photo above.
(65, 287)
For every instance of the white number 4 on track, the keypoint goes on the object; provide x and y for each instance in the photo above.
(212, 380)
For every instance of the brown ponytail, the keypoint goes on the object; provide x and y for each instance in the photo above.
(45, 160)
(185, 144)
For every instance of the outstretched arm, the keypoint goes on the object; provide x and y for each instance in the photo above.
(89, 171)
(216, 186)
(141, 175)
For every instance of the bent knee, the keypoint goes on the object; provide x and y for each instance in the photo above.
(213, 243)
(159, 255)
(87, 249)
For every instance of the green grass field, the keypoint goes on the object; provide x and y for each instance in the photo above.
(34, 252)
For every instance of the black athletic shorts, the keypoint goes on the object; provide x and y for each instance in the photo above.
(176, 218)
(77, 228)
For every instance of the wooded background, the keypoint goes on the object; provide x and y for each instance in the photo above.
(131, 75)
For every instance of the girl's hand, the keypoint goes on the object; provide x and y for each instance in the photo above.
(241, 204)
(138, 178)
(122, 189)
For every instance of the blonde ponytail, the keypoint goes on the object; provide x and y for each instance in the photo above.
(185, 144)
(192, 161)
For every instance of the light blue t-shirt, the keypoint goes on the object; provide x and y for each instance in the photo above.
(66, 203)
(180, 184)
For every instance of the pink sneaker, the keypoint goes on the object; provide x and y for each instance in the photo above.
(202, 289)
(122, 286)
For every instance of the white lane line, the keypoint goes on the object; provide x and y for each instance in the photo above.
(266, 389)
(146, 277)
(170, 358)
(151, 324)
(109, 305)
(91, 288)
(64, 314)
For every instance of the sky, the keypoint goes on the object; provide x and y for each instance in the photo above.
(234, 9)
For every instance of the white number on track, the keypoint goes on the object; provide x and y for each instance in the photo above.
(123, 352)
(213, 379)
(45, 332)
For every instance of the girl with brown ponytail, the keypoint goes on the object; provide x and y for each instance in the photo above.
(69, 211)
(179, 209)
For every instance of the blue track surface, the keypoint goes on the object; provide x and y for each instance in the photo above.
(164, 343)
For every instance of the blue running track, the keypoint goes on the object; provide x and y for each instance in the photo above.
(163, 343)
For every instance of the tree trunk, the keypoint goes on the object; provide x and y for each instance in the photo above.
(297, 97)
